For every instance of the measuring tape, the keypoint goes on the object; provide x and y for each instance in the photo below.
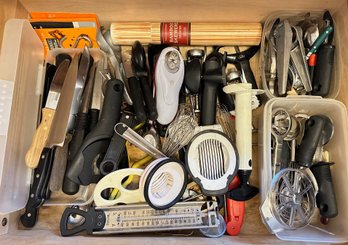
(143, 218)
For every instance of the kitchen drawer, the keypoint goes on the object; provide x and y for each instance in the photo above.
(253, 231)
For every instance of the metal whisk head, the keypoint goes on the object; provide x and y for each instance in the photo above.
(179, 132)
(224, 118)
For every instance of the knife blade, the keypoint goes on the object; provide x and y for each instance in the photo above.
(74, 84)
(32, 156)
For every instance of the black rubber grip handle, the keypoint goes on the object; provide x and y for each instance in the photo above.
(117, 146)
(97, 141)
(323, 70)
(38, 189)
(137, 98)
(94, 221)
(312, 134)
(208, 112)
(213, 77)
(148, 98)
(326, 197)
(192, 78)
(80, 128)
(93, 119)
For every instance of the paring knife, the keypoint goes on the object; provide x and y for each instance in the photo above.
(41, 135)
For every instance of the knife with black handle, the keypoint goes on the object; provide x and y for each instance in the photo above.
(97, 141)
(80, 128)
(39, 191)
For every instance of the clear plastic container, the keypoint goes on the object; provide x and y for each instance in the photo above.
(337, 229)
(22, 66)
(21, 85)
(292, 15)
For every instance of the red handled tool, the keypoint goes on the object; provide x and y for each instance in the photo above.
(235, 212)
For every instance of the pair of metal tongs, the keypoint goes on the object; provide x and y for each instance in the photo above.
(287, 40)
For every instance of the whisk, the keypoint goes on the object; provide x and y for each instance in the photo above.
(179, 132)
(224, 118)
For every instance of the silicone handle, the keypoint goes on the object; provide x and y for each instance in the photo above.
(137, 98)
(97, 141)
(117, 146)
(312, 133)
(38, 189)
(326, 197)
(94, 221)
(323, 70)
(148, 98)
(81, 124)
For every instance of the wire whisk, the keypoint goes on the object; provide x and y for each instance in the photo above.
(179, 132)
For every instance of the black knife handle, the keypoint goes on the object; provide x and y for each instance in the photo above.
(148, 98)
(117, 146)
(38, 189)
(326, 197)
(96, 142)
(312, 133)
(137, 98)
(94, 221)
(323, 70)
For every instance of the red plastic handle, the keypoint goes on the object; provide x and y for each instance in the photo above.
(235, 216)
(235, 212)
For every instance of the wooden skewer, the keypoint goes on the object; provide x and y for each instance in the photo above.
(201, 34)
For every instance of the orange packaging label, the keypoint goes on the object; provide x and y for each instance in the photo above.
(175, 33)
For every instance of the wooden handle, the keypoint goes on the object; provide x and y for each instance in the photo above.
(176, 33)
(40, 137)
